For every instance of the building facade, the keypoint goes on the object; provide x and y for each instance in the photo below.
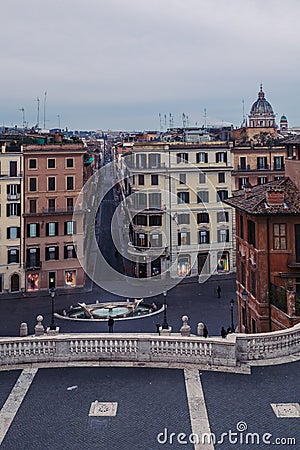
(179, 225)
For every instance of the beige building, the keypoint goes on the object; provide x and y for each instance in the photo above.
(11, 247)
(179, 224)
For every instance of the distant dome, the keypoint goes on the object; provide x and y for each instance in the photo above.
(283, 117)
(261, 106)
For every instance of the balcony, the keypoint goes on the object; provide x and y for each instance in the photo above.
(244, 167)
(11, 175)
(13, 196)
(279, 168)
(145, 251)
(263, 167)
(33, 265)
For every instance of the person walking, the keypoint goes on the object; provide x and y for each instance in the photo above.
(110, 324)
(205, 331)
(223, 333)
(219, 291)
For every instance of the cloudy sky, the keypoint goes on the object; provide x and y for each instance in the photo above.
(117, 64)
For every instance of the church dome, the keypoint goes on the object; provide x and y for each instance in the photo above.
(261, 106)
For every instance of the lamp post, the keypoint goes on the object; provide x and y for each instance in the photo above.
(245, 298)
(52, 295)
(231, 311)
(165, 325)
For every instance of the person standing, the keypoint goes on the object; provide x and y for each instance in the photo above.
(223, 333)
(110, 324)
(219, 291)
(205, 331)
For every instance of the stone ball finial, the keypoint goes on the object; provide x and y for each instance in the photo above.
(185, 330)
(200, 328)
(39, 319)
(184, 319)
(39, 328)
(23, 329)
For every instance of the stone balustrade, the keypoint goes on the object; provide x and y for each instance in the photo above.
(174, 350)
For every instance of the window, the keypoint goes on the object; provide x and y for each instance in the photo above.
(202, 178)
(279, 232)
(222, 195)
(154, 161)
(154, 180)
(262, 163)
(155, 240)
(184, 238)
(223, 235)
(33, 230)
(141, 179)
(32, 164)
(51, 204)
(251, 232)
(243, 273)
(278, 163)
(242, 227)
(221, 157)
(13, 191)
(140, 240)
(140, 219)
(182, 158)
(253, 283)
(52, 229)
(51, 183)
(155, 221)
(33, 257)
(183, 197)
(183, 219)
(32, 184)
(70, 163)
(70, 204)
(221, 177)
(243, 182)
(155, 200)
(201, 158)
(141, 161)
(202, 197)
(70, 227)
(51, 163)
(140, 200)
(32, 206)
(222, 216)
(203, 217)
(203, 237)
(13, 256)
(262, 180)
(13, 209)
(69, 251)
(70, 183)
(182, 178)
(243, 163)
(13, 232)
(51, 253)
(13, 168)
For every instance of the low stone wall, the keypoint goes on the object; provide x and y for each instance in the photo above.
(174, 350)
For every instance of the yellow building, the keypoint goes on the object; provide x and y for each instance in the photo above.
(11, 239)
(179, 225)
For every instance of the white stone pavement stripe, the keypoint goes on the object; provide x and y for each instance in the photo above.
(198, 413)
(14, 400)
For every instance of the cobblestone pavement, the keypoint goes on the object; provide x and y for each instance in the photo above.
(150, 401)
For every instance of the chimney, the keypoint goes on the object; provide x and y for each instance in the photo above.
(248, 190)
(275, 197)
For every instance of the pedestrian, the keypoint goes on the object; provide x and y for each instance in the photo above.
(205, 331)
(158, 328)
(219, 291)
(110, 324)
(223, 333)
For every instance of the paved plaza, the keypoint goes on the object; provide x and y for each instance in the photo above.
(156, 408)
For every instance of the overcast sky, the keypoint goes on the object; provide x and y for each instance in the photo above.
(117, 64)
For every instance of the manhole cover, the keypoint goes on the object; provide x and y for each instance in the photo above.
(99, 409)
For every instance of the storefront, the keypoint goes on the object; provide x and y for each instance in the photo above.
(70, 278)
(223, 262)
(32, 282)
(184, 265)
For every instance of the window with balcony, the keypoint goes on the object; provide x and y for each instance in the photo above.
(32, 206)
(33, 230)
(202, 197)
(51, 183)
(52, 229)
(32, 184)
(70, 183)
(279, 236)
(243, 163)
(223, 216)
(183, 197)
(203, 236)
(182, 158)
(13, 256)
(203, 217)
(222, 195)
(52, 253)
(201, 158)
(51, 204)
(13, 191)
(183, 238)
(13, 232)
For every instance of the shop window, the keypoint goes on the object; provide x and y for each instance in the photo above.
(70, 278)
(184, 265)
(32, 282)
(223, 262)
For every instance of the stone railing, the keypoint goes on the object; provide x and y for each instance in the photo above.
(139, 349)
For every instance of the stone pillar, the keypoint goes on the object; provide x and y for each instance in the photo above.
(291, 299)
(39, 328)
(23, 329)
(200, 328)
(185, 330)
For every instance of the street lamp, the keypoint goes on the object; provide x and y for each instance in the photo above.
(52, 295)
(165, 325)
(231, 310)
(244, 294)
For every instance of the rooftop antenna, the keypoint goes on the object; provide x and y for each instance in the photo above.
(23, 117)
(165, 117)
(187, 121)
(171, 121)
(58, 116)
(38, 113)
(244, 118)
(205, 118)
(45, 98)
(160, 122)
(183, 120)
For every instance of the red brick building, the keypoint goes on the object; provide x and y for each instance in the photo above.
(268, 252)
(53, 178)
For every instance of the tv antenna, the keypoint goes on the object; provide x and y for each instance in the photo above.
(45, 98)
(38, 113)
(23, 117)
